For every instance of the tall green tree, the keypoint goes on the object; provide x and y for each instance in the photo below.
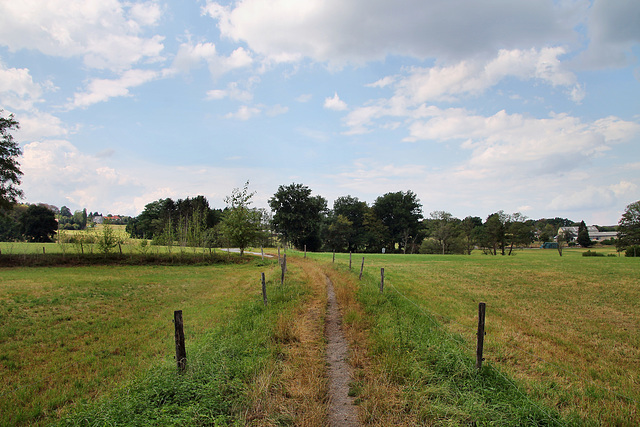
(353, 210)
(629, 227)
(494, 232)
(241, 224)
(339, 234)
(518, 232)
(443, 230)
(401, 213)
(39, 224)
(583, 238)
(298, 216)
(10, 173)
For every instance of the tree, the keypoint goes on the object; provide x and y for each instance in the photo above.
(107, 239)
(443, 229)
(629, 227)
(298, 216)
(10, 172)
(401, 213)
(470, 230)
(583, 235)
(339, 233)
(241, 225)
(518, 231)
(494, 232)
(39, 224)
(353, 210)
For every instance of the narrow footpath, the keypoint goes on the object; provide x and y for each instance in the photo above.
(342, 411)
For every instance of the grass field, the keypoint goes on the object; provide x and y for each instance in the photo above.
(93, 345)
(566, 328)
(70, 334)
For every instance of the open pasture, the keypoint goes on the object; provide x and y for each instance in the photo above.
(70, 334)
(566, 328)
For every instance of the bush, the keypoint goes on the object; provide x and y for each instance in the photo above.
(632, 251)
(594, 253)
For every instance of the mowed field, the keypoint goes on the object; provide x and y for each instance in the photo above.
(566, 329)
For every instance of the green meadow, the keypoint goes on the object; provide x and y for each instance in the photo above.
(71, 334)
(565, 330)
(93, 344)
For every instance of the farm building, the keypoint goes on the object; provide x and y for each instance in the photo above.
(594, 234)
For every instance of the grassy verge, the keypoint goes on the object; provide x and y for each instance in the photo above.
(565, 329)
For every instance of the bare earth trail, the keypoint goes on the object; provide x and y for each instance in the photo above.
(342, 411)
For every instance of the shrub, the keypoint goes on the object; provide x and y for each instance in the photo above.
(632, 251)
(594, 253)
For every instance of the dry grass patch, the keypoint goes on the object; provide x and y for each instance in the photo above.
(295, 392)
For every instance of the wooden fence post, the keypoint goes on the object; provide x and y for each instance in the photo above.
(264, 290)
(305, 251)
(283, 267)
(480, 348)
(349, 260)
(334, 257)
(262, 252)
(361, 269)
(181, 352)
(382, 280)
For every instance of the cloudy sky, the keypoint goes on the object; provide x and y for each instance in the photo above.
(528, 106)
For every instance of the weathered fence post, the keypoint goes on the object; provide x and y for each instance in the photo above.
(382, 280)
(279, 261)
(264, 290)
(181, 352)
(43, 253)
(480, 348)
(305, 251)
(349, 260)
(283, 267)
(361, 269)
(262, 252)
(334, 257)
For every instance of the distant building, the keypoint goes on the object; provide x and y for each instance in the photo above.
(98, 219)
(594, 234)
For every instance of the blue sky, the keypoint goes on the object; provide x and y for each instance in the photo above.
(476, 106)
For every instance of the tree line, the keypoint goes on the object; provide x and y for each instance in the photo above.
(394, 222)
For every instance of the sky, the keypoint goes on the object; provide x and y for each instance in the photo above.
(527, 106)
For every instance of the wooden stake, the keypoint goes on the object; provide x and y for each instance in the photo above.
(382, 280)
(181, 352)
(361, 269)
(349, 260)
(480, 348)
(264, 290)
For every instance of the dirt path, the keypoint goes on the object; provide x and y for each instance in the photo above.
(342, 412)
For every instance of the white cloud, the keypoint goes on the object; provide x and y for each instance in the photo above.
(520, 144)
(237, 91)
(335, 103)
(244, 113)
(593, 197)
(334, 31)
(100, 90)
(38, 125)
(192, 55)
(106, 33)
(18, 90)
